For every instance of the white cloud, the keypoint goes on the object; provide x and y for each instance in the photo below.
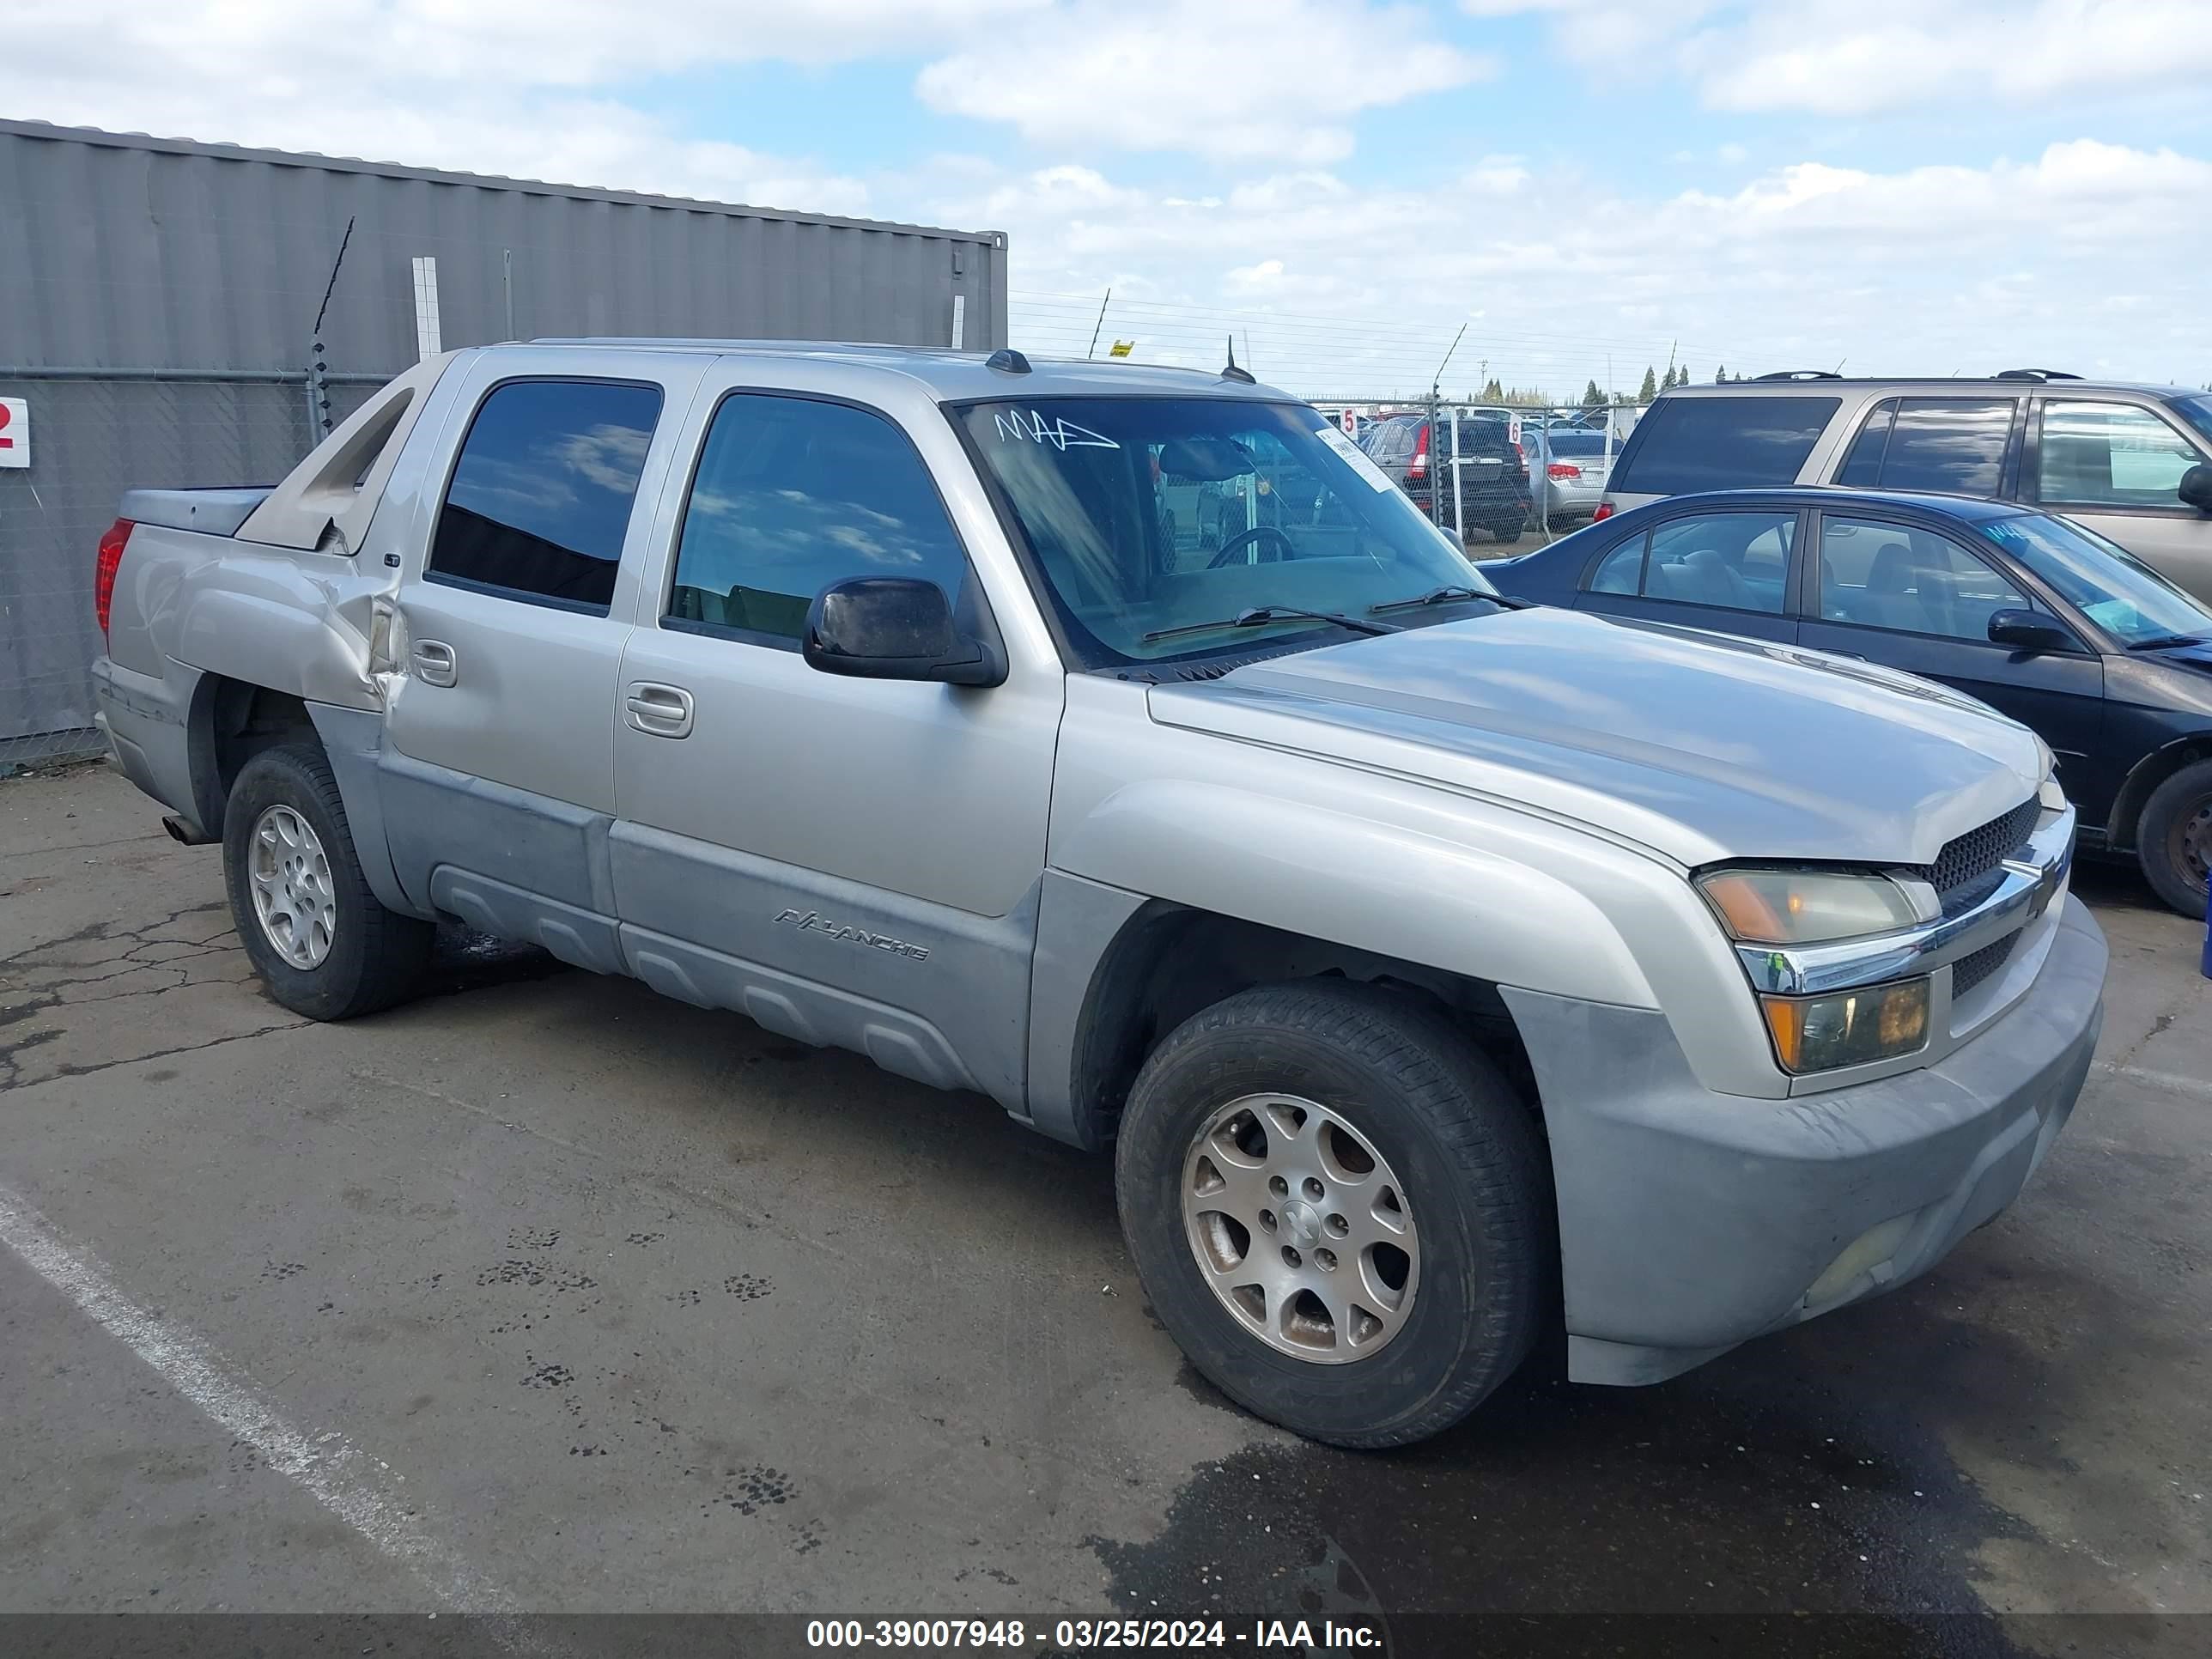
(1237, 80)
(516, 87)
(1852, 57)
(250, 45)
(1856, 57)
(1926, 270)
(2086, 254)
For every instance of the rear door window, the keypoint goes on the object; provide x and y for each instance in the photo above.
(1955, 446)
(540, 499)
(1687, 444)
(1733, 560)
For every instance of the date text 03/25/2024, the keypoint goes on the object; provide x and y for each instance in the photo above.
(1089, 1635)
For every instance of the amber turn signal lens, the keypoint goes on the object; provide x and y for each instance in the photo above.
(1851, 1028)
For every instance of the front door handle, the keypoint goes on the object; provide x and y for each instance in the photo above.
(434, 663)
(658, 710)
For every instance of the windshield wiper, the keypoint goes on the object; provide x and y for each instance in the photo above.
(1267, 613)
(2163, 640)
(1452, 595)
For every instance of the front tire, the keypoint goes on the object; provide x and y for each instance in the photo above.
(315, 932)
(1338, 1209)
(2174, 838)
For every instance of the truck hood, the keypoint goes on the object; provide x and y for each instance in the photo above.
(1698, 746)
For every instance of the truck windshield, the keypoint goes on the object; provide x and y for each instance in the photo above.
(1147, 516)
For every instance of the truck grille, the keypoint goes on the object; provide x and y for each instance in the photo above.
(1968, 971)
(1967, 871)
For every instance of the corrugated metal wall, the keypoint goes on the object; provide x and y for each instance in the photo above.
(151, 259)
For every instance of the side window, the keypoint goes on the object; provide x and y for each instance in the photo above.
(1386, 443)
(792, 494)
(1862, 468)
(1622, 569)
(2110, 454)
(1684, 444)
(1738, 561)
(541, 496)
(1879, 574)
(1954, 445)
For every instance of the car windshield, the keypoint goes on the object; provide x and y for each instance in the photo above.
(1146, 515)
(2122, 595)
(2197, 411)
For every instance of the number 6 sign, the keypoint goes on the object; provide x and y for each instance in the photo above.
(15, 432)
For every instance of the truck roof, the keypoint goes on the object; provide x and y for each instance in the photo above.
(958, 375)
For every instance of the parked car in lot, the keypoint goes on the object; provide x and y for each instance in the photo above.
(1567, 470)
(1430, 962)
(2037, 616)
(2133, 462)
(1493, 492)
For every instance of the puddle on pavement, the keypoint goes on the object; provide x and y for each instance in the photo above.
(463, 960)
(1801, 1475)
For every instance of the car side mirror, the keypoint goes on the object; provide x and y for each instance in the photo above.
(2029, 630)
(894, 628)
(2195, 488)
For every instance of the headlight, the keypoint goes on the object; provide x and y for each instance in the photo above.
(1851, 1028)
(1805, 907)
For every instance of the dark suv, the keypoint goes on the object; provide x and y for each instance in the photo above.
(2133, 462)
(1493, 473)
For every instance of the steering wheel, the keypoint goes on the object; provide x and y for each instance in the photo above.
(1237, 543)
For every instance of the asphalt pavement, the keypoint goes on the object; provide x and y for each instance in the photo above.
(545, 1294)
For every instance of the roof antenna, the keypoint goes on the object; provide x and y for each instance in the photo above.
(1243, 377)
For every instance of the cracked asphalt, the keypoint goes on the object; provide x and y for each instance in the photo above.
(574, 1299)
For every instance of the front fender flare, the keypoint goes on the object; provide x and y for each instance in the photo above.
(1487, 910)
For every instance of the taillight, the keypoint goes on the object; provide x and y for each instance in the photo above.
(1604, 511)
(1562, 469)
(103, 573)
(1419, 469)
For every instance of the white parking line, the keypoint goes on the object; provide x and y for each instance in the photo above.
(2170, 1081)
(333, 1471)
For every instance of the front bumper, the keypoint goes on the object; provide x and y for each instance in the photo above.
(1691, 1221)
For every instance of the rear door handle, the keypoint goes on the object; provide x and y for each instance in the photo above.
(434, 663)
(658, 710)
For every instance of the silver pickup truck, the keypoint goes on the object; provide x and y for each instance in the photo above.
(1442, 970)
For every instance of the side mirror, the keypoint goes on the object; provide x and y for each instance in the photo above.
(2030, 630)
(894, 628)
(2195, 488)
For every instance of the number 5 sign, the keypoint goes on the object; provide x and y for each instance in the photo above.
(15, 432)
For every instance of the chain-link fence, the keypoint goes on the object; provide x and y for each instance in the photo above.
(1500, 478)
(161, 301)
(93, 435)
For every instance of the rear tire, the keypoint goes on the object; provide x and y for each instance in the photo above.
(1502, 530)
(1435, 1117)
(359, 956)
(2174, 838)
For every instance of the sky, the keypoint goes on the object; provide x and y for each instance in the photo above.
(1586, 187)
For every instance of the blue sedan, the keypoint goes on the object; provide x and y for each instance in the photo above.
(2049, 622)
